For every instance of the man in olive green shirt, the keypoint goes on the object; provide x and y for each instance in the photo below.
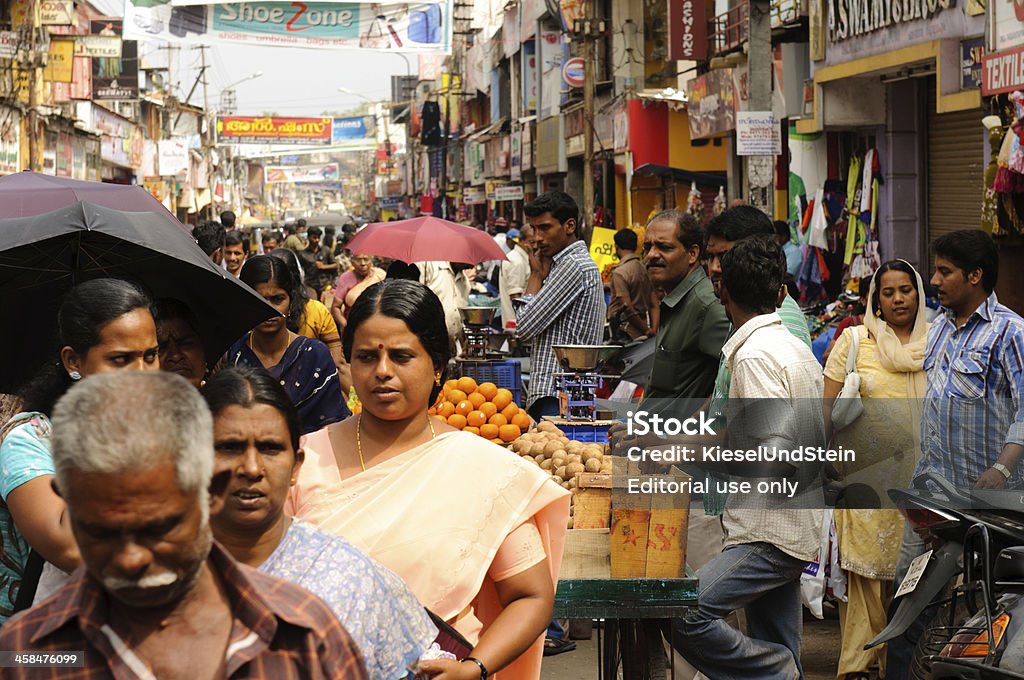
(693, 323)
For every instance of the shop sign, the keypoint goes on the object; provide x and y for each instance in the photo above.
(1007, 24)
(530, 85)
(573, 72)
(853, 18)
(172, 157)
(972, 51)
(1002, 72)
(473, 196)
(115, 78)
(57, 12)
(389, 202)
(758, 134)
(302, 173)
(78, 158)
(516, 173)
(104, 46)
(687, 30)
(551, 146)
(60, 66)
(419, 27)
(10, 141)
(528, 147)
(602, 247)
(65, 155)
(348, 129)
(508, 192)
(8, 44)
(712, 103)
(274, 130)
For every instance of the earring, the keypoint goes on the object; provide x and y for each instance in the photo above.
(437, 378)
(878, 313)
(75, 375)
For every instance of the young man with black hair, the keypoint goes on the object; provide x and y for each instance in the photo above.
(210, 237)
(628, 312)
(775, 393)
(564, 299)
(227, 218)
(234, 252)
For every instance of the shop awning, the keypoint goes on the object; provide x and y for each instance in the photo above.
(491, 129)
(716, 179)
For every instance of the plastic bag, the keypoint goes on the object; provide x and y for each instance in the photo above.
(812, 581)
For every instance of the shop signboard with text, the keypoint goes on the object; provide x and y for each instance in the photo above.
(687, 30)
(713, 102)
(423, 26)
(274, 130)
(302, 173)
(1002, 72)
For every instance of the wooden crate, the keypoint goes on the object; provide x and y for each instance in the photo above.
(648, 531)
(586, 554)
(592, 508)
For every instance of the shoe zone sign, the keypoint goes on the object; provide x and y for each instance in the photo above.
(421, 27)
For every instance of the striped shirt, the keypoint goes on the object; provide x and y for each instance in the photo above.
(280, 631)
(568, 310)
(972, 406)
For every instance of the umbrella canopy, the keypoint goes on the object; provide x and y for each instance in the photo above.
(26, 194)
(43, 257)
(426, 239)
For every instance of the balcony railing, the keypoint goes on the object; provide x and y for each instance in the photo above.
(728, 31)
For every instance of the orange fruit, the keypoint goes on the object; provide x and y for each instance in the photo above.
(446, 409)
(502, 399)
(471, 429)
(431, 411)
(488, 389)
(510, 412)
(467, 385)
(521, 420)
(456, 395)
(497, 441)
(442, 419)
(476, 419)
(498, 419)
(488, 409)
(450, 385)
(463, 407)
(489, 431)
(508, 433)
(477, 400)
(457, 420)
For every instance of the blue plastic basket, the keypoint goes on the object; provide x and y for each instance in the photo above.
(507, 374)
(586, 433)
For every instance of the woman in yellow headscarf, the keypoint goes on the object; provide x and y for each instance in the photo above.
(889, 360)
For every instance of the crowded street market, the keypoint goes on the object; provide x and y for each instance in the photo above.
(517, 339)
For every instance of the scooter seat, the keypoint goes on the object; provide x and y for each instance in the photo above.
(1009, 564)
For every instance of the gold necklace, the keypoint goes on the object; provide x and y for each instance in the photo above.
(359, 438)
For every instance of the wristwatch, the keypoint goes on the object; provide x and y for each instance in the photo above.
(1005, 471)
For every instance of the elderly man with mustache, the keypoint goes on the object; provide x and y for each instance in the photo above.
(157, 597)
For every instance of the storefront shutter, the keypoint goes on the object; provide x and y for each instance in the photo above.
(956, 167)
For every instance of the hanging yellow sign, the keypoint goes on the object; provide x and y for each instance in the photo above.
(602, 247)
(59, 67)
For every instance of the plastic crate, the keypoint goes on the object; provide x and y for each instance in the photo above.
(507, 374)
(585, 432)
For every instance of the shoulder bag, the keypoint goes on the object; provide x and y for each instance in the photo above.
(848, 406)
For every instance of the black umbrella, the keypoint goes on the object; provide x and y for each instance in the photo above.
(44, 256)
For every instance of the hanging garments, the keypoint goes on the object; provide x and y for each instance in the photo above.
(819, 222)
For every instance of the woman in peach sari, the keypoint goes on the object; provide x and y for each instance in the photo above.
(475, 533)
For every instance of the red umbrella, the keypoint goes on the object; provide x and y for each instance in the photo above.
(426, 239)
(26, 194)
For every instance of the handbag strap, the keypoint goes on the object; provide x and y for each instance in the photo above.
(851, 358)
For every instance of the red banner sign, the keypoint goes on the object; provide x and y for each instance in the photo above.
(1002, 72)
(687, 30)
(274, 130)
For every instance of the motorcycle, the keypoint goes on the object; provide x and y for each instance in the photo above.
(960, 527)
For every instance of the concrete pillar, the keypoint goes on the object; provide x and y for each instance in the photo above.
(901, 148)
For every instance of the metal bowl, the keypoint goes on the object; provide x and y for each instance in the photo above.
(495, 341)
(477, 316)
(583, 357)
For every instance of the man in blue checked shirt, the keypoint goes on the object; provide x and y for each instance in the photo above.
(564, 299)
(972, 427)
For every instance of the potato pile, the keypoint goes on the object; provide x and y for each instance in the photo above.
(548, 448)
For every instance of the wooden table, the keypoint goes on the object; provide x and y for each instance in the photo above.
(635, 612)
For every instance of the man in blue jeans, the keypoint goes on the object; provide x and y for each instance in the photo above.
(775, 394)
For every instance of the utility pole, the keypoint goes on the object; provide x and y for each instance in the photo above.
(208, 146)
(589, 75)
(760, 170)
(34, 153)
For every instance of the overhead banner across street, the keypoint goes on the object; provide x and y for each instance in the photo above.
(421, 27)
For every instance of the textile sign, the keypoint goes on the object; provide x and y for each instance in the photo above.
(687, 30)
(274, 130)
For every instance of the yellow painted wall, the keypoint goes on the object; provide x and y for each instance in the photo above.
(684, 156)
(622, 217)
(646, 197)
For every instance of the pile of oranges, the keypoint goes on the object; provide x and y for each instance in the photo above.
(485, 410)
